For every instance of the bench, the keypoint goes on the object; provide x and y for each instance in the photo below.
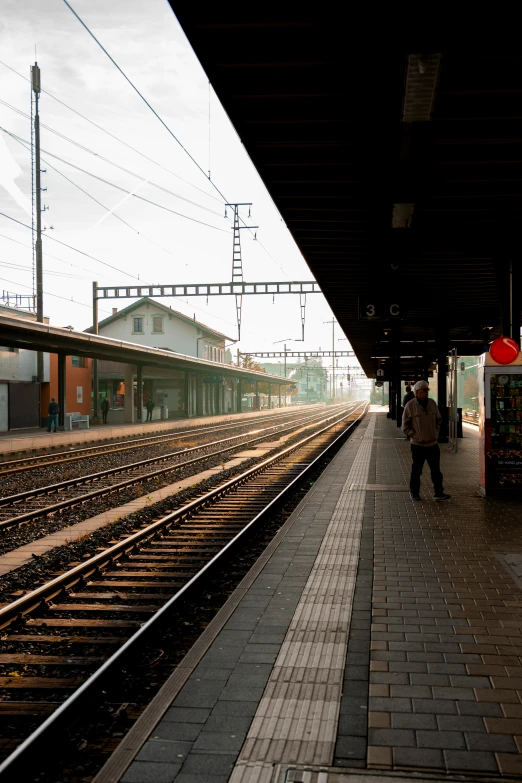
(76, 418)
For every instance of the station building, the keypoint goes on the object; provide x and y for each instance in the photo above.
(150, 323)
(23, 399)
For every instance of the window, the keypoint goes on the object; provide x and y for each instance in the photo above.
(78, 361)
(157, 324)
(137, 326)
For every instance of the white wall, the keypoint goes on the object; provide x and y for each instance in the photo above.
(21, 365)
(178, 335)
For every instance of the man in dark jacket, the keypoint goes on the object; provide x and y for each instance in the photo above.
(408, 396)
(53, 410)
(105, 406)
(150, 407)
(421, 422)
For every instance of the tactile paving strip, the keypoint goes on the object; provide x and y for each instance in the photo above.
(296, 722)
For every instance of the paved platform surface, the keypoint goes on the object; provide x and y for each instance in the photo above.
(30, 439)
(376, 635)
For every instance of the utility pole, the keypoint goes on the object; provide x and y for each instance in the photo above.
(333, 322)
(35, 82)
(95, 411)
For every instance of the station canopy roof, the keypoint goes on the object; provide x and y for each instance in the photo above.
(395, 160)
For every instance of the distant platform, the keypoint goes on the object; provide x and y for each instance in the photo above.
(19, 441)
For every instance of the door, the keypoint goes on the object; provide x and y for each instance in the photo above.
(24, 405)
(4, 411)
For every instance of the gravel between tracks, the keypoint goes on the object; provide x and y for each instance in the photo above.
(28, 576)
(48, 474)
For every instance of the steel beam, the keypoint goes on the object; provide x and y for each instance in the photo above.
(205, 289)
(296, 354)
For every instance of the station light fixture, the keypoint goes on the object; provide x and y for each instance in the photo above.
(422, 77)
(402, 215)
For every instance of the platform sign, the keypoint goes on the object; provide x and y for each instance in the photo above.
(213, 378)
(379, 373)
(380, 309)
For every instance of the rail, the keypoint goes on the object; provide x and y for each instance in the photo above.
(26, 757)
(94, 477)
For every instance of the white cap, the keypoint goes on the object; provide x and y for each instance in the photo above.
(421, 385)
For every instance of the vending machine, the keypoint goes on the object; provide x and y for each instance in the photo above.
(500, 419)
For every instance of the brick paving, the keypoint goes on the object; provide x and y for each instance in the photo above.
(445, 679)
(432, 681)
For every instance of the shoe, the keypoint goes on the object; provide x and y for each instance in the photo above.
(414, 497)
(444, 496)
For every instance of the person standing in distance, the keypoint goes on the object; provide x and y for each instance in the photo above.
(53, 410)
(150, 407)
(421, 422)
(105, 407)
(408, 396)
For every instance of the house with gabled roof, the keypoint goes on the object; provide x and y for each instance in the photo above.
(151, 323)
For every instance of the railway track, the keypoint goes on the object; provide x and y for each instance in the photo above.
(78, 632)
(73, 455)
(42, 501)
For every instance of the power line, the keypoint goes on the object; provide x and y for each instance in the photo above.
(56, 296)
(49, 255)
(109, 161)
(113, 61)
(108, 211)
(11, 265)
(145, 101)
(82, 252)
(128, 171)
(113, 136)
(112, 184)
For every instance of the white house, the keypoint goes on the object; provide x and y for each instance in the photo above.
(150, 323)
(147, 322)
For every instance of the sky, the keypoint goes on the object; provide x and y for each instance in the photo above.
(121, 237)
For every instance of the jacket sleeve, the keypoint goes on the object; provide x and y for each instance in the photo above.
(438, 420)
(406, 421)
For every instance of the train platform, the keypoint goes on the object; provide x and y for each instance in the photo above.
(375, 635)
(22, 441)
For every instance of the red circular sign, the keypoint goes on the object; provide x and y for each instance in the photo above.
(504, 350)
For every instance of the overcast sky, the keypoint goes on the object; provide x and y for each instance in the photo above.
(153, 244)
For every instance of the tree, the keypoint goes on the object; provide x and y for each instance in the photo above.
(248, 363)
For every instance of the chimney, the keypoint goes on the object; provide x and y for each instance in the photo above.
(114, 310)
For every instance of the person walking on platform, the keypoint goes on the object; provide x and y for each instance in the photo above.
(53, 410)
(105, 406)
(421, 422)
(408, 396)
(150, 407)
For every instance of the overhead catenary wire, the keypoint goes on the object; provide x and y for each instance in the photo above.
(109, 161)
(71, 247)
(108, 210)
(167, 128)
(48, 255)
(254, 237)
(113, 136)
(47, 293)
(114, 185)
(11, 265)
(132, 173)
